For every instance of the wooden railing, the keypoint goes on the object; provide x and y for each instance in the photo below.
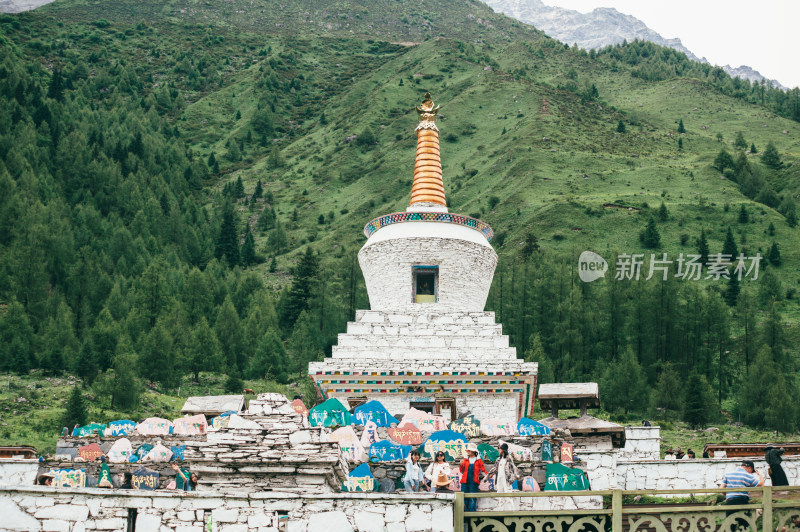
(777, 510)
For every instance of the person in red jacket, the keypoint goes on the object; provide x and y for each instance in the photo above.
(470, 469)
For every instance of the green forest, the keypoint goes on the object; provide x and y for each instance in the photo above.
(182, 194)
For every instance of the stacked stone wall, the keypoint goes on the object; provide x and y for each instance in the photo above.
(38, 509)
(641, 443)
(690, 474)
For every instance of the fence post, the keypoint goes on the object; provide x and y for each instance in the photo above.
(616, 511)
(766, 501)
(458, 512)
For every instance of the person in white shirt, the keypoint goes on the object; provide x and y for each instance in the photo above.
(670, 455)
(413, 479)
(436, 469)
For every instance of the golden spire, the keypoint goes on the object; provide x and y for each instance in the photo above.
(428, 186)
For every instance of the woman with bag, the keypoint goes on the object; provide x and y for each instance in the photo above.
(413, 479)
(505, 473)
(438, 472)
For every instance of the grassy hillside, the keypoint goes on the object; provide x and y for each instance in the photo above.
(171, 104)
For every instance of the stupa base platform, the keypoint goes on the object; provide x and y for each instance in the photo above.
(424, 356)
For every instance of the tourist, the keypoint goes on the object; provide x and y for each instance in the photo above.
(689, 454)
(470, 469)
(438, 472)
(45, 479)
(646, 423)
(669, 455)
(772, 455)
(413, 478)
(505, 473)
(678, 454)
(127, 478)
(743, 477)
(184, 480)
(705, 453)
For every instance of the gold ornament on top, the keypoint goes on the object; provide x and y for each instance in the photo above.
(427, 113)
(428, 186)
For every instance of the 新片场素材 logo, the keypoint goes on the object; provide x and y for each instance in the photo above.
(591, 266)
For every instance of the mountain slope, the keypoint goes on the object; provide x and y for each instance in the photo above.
(599, 28)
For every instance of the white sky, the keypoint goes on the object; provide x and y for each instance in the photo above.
(756, 33)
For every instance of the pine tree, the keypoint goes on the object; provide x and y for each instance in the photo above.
(680, 144)
(305, 275)
(228, 329)
(76, 412)
(669, 390)
(259, 191)
(744, 216)
(56, 88)
(624, 384)
(753, 149)
(275, 159)
(269, 360)
(740, 142)
(771, 158)
(203, 349)
(620, 127)
(699, 406)
(681, 129)
(536, 353)
(248, 249)
(732, 292)
(266, 220)
(238, 190)
(702, 247)
(650, 236)
(774, 255)
(276, 241)
(766, 398)
(127, 389)
(729, 246)
(723, 161)
(304, 342)
(228, 240)
(663, 213)
(273, 265)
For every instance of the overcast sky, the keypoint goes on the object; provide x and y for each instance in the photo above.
(756, 33)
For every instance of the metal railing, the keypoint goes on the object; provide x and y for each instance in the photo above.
(777, 510)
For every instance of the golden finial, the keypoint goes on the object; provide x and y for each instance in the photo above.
(428, 186)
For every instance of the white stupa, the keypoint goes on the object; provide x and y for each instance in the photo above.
(427, 341)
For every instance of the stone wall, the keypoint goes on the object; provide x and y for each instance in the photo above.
(269, 447)
(641, 443)
(686, 474)
(37, 509)
(18, 472)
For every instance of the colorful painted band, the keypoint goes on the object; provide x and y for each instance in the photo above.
(446, 217)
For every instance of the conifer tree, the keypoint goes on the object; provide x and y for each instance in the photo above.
(238, 190)
(744, 216)
(766, 398)
(774, 255)
(228, 240)
(203, 349)
(680, 144)
(753, 149)
(771, 158)
(259, 191)
(275, 159)
(229, 333)
(663, 213)
(126, 389)
(269, 360)
(276, 241)
(698, 404)
(650, 236)
(620, 127)
(669, 390)
(625, 384)
(248, 249)
(729, 246)
(681, 129)
(273, 265)
(740, 142)
(76, 412)
(723, 161)
(305, 275)
(732, 291)
(702, 247)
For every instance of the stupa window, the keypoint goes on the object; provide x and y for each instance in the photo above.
(426, 284)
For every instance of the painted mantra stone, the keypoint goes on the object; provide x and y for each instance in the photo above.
(406, 434)
(90, 452)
